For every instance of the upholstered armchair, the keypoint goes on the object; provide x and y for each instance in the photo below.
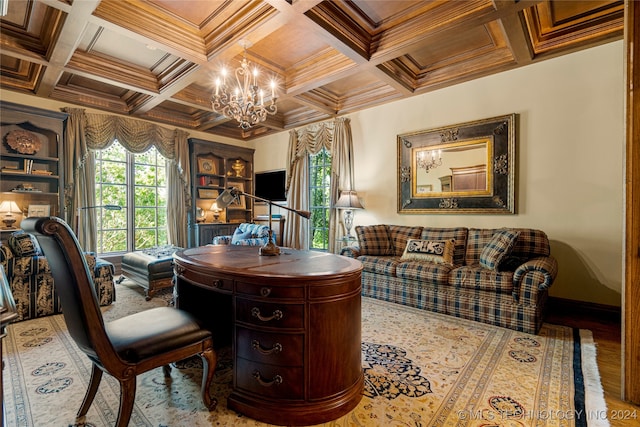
(31, 281)
(246, 235)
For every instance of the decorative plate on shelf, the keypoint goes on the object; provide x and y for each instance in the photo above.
(23, 141)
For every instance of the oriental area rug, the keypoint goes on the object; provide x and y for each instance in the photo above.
(421, 369)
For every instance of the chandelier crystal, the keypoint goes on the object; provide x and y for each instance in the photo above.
(429, 161)
(244, 101)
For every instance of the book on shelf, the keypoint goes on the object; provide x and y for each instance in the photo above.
(28, 165)
(11, 170)
(40, 172)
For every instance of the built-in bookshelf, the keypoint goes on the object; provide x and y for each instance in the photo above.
(31, 172)
(215, 167)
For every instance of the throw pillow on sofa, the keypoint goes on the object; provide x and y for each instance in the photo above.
(240, 235)
(374, 240)
(498, 248)
(24, 245)
(437, 251)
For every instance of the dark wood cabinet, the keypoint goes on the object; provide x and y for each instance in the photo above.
(31, 164)
(469, 178)
(215, 167)
(205, 232)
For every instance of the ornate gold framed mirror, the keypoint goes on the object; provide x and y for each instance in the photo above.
(460, 169)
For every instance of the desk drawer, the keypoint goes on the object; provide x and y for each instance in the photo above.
(208, 280)
(269, 291)
(274, 315)
(270, 381)
(269, 347)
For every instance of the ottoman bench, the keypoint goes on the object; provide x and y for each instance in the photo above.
(150, 268)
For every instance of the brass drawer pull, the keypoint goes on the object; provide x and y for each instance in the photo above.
(277, 380)
(277, 315)
(217, 283)
(265, 292)
(277, 348)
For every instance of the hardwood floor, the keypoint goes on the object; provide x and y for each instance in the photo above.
(606, 329)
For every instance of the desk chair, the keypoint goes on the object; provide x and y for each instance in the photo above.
(124, 347)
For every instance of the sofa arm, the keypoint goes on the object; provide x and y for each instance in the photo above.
(221, 240)
(253, 241)
(532, 277)
(350, 251)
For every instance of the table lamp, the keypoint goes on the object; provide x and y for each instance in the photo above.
(348, 201)
(216, 212)
(232, 193)
(9, 207)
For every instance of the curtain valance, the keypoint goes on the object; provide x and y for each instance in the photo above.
(87, 131)
(335, 137)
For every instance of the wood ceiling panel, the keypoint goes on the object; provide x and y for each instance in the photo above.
(557, 24)
(87, 85)
(31, 26)
(98, 39)
(445, 51)
(21, 74)
(329, 57)
(382, 15)
(196, 12)
(286, 47)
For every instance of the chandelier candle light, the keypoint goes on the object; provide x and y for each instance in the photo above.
(429, 161)
(246, 103)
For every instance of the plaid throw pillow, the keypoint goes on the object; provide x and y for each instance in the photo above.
(498, 248)
(436, 251)
(374, 240)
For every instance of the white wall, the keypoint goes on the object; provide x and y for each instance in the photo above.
(570, 147)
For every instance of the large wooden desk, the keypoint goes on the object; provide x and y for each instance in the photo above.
(294, 322)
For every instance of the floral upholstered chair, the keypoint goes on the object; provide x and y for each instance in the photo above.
(31, 281)
(246, 235)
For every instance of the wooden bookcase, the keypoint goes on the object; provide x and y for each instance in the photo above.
(31, 173)
(215, 167)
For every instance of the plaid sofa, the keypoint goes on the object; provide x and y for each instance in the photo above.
(495, 276)
(31, 281)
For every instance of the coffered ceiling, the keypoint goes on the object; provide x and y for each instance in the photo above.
(155, 59)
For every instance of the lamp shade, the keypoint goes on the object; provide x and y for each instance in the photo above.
(348, 200)
(9, 206)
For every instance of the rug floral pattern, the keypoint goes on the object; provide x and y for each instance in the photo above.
(421, 369)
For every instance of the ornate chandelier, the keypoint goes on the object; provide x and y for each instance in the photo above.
(429, 161)
(244, 100)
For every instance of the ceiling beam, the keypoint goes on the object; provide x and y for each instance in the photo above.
(65, 46)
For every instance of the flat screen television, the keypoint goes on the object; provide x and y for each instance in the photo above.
(271, 185)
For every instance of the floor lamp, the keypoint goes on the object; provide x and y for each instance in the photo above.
(232, 193)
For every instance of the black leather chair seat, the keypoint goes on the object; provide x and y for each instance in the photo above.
(142, 335)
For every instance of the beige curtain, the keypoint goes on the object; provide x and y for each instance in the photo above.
(334, 136)
(86, 131)
(342, 174)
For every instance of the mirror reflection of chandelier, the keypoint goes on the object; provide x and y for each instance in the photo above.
(243, 100)
(428, 161)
